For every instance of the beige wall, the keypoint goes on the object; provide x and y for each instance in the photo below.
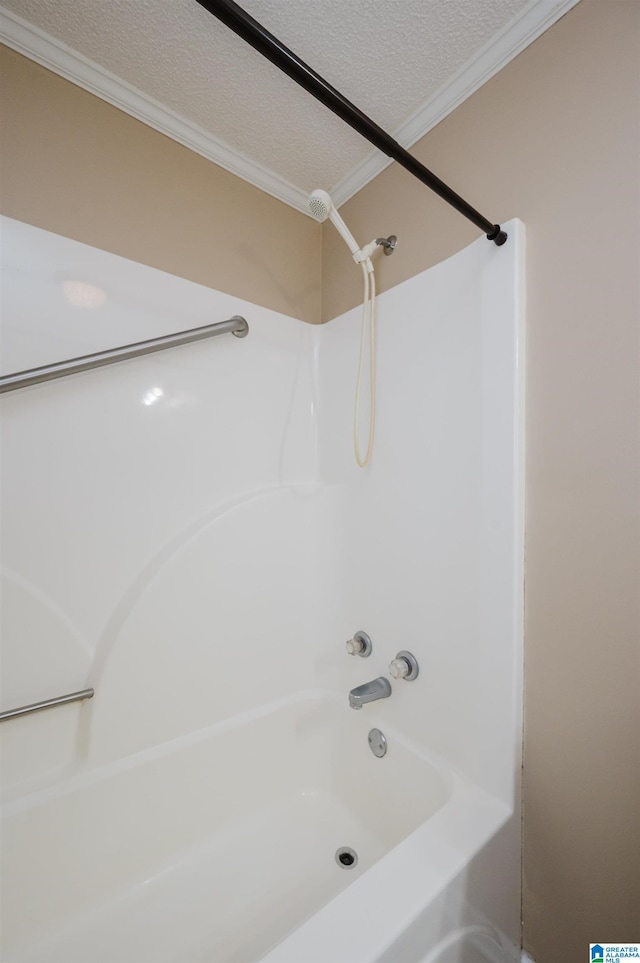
(554, 139)
(79, 167)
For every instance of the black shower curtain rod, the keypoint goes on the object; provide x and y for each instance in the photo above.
(270, 47)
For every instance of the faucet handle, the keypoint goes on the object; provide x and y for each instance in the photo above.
(360, 645)
(399, 668)
(404, 666)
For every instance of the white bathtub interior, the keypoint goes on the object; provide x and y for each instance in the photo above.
(189, 534)
(284, 787)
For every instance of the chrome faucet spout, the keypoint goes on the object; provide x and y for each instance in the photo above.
(370, 692)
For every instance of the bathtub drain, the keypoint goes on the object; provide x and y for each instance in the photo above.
(346, 857)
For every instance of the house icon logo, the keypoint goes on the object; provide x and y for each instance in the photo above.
(597, 953)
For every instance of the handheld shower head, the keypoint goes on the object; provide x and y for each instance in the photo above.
(321, 207)
(319, 204)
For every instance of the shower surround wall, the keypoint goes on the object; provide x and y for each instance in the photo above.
(151, 540)
(431, 535)
(189, 534)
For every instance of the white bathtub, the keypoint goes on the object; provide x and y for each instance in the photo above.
(220, 848)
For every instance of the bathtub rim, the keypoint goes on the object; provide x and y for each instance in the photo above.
(380, 905)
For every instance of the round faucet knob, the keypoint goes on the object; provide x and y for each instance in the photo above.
(404, 666)
(399, 668)
(360, 645)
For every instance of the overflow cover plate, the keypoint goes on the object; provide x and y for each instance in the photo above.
(378, 743)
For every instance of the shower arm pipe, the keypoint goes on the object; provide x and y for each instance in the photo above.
(47, 704)
(250, 30)
(33, 376)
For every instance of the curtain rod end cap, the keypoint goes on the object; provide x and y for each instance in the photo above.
(498, 236)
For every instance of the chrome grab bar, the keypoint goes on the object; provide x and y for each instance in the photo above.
(47, 704)
(33, 376)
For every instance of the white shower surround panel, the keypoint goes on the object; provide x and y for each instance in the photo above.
(112, 476)
(430, 559)
(431, 553)
(200, 552)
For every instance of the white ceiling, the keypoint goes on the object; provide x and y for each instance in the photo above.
(405, 63)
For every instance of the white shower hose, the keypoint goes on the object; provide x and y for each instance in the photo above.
(368, 311)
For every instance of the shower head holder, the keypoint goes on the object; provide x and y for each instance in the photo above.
(388, 244)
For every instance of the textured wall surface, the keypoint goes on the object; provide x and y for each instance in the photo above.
(554, 140)
(77, 166)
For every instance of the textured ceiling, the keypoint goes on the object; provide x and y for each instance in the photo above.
(389, 58)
